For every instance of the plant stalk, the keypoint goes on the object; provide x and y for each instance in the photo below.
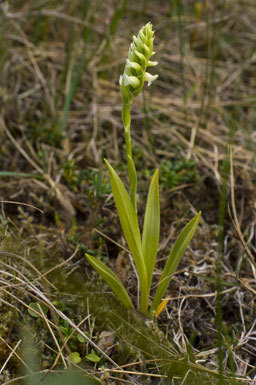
(126, 116)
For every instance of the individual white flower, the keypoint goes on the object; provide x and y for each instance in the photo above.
(150, 78)
(133, 65)
(131, 80)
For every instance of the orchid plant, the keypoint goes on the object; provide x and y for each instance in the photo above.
(143, 248)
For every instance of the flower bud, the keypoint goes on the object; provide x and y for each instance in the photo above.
(135, 73)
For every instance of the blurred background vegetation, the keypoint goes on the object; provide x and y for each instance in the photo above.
(60, 115)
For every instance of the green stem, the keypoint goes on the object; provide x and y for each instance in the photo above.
(126, 115)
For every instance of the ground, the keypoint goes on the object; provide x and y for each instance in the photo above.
(60, 116)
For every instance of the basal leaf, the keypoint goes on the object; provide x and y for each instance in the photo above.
(133, 182)
(174, 259)
(129, 223)
(150, 236)
(112, 280)
(161, 306)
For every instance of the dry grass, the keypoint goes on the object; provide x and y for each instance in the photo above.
(60, 103)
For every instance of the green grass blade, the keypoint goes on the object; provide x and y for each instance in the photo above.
(114, 23)
(129, 223)
(81, 60)
(151, 228)
(174, 259)
(21, 174)
(111, 279)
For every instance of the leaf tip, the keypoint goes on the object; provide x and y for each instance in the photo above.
(108, 165)
(88, 257)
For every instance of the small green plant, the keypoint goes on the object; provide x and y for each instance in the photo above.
(93, 357)
(143, 249)
(178, 172)
(37, 307)
(174, 173)
(96, 186)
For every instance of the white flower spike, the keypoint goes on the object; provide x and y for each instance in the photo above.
(135, 73)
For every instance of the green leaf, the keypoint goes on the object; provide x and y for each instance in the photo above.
(151, 228)
(93, 357)
(34, 305)
(74, 358)
(133, 181)
(174, 259)
(129, 223)
(111, 280)
(81, 338)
